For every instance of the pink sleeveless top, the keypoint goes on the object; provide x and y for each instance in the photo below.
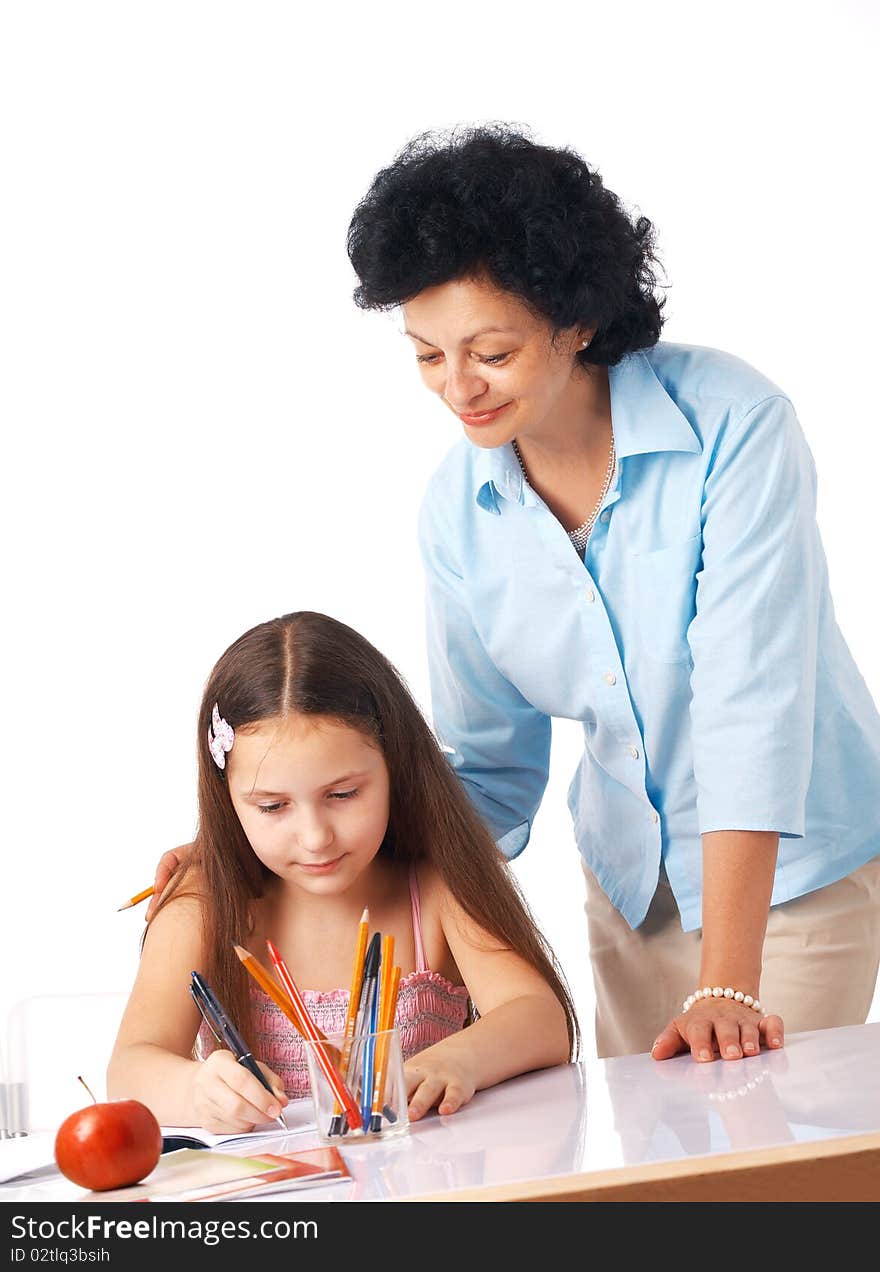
(429, 1008)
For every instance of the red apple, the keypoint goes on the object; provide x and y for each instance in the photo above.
(108, 1145)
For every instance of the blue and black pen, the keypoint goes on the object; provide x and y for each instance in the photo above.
(226, 1033)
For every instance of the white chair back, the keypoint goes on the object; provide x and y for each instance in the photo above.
(50, 1039)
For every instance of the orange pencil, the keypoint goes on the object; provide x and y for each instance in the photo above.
(385, 981)
(390, 1010)
(136, 900)
(337, 1086)
(266, 983)
(392, 998)
(386, 977)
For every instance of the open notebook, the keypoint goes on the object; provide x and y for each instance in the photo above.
(35, 1154)
(299, 1116)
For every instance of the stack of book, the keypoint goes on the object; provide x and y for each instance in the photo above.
(191, 1174)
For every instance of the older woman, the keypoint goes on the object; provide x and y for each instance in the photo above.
(626, 536)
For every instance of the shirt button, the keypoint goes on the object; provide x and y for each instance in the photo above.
(589, 595)
(606, 516)
(610, 678)
(634, 752)
(654, 816)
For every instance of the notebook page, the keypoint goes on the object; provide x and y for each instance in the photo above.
(299, 1116)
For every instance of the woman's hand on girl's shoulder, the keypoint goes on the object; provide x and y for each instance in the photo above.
(438, 1076)
(169, 863)
(716, 1027)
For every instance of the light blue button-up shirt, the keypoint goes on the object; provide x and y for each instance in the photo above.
(696, 641)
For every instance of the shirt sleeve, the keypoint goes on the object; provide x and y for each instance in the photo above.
(754, 637)
(497, 742)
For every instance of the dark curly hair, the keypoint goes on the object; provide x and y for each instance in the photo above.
(537, 221)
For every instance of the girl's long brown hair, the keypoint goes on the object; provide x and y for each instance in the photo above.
(309, 664)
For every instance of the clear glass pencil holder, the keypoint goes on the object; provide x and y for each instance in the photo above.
(373, 1076)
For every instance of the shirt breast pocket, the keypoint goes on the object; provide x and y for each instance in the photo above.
(665, 589)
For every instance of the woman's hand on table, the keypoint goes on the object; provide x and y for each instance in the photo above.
(434, 1077)
(169, 863)
(716, 1027)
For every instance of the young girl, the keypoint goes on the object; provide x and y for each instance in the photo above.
(322, 791)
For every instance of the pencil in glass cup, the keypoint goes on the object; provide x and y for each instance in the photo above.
(371, 1027)
(323, 1051)
(357, 975)
(386, 1024)
(137, 899)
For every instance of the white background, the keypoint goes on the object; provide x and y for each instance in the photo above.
(201, 431)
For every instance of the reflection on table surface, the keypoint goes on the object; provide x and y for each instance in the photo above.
(598, 1115)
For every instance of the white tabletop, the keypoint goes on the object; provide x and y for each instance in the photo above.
(598, 1115)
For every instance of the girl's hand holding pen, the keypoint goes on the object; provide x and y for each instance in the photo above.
(227, 1099)
(438, 1076)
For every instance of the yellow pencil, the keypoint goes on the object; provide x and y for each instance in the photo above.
(141, 896)
(357, 975)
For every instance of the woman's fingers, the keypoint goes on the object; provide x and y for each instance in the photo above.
(750, 1038)
(727, 1035)
(729, 1032)
(700, 1036)
(169, 863)
(772, 1031)
(735, 1036)
(668, 1043)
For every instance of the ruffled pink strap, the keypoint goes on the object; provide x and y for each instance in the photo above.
(421, 961)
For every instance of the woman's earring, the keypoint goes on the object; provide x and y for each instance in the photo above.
(585, 343)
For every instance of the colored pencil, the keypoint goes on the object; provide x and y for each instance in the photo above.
(381, 1044)
(136, 900)
(357, 975)
(385, 981)
(269, 986)
(321, 1051)
(390, 1017)
(368, 980)
(371, 1015)
(385, 1025)
(371, 970)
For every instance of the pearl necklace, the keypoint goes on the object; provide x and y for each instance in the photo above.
(580, 537)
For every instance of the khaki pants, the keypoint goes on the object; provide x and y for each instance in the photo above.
(821, 955)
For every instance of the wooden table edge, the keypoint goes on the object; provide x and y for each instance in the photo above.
(845, 1168)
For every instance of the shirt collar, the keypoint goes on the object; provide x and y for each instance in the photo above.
(497, 472)
(645, 420)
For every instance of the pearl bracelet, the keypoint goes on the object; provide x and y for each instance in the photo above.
(718, 992)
